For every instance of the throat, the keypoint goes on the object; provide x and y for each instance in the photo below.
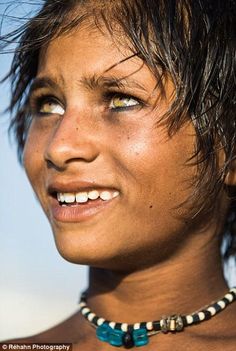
(176, 287)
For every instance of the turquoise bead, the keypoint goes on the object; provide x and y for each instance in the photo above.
(103, 332)
(140, 337)
(113, 336)
(116, 337)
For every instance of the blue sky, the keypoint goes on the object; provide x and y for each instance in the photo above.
(37, 287)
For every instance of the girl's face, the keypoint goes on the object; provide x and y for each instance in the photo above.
(95, 133)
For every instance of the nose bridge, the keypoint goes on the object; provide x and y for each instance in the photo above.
(73, 138)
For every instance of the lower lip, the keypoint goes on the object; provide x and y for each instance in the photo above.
(80, 212)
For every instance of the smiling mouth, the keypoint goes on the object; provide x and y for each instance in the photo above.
(80, 206)
(75, 199)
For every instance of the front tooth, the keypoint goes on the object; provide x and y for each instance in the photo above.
(81, 197)
(115, 194)
(106, 195)
(69, 198)
(60, 197)
(93, 195)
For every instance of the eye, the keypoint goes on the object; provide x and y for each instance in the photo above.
(50, 106)
(43, 105)
(121, 102)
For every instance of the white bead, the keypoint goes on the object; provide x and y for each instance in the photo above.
(201, 316)
(149, 326)
(112, 324)
(91, 316)
(82, 304)
(212, 310)
(229, 297)
(124, 327)
(85, 310)
(221, 304)
(233, 290)
(189, 319)
(100, 321)
(136, 326)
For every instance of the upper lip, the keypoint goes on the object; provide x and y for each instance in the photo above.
(75, 186)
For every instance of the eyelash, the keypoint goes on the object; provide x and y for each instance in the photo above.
(37, 102)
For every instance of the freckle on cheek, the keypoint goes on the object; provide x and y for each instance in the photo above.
(150, 206)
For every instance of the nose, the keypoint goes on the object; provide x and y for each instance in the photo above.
(71, 140)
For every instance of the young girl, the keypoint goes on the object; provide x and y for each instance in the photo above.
(124, 113)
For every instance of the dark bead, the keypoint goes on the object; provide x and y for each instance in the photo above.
(128, 341)
(195, 318)
(217, 307)
(226, 301)
(156, 325)
(207, 314)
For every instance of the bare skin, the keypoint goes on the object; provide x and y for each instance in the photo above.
(146, 262)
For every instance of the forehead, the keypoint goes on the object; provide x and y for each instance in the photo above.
(82, 44)
(89, 51)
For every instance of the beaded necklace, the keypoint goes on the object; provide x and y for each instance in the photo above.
(129, 335)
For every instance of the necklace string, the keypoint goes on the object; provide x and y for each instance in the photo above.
(137, 334)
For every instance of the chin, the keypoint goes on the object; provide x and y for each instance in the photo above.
(105, 257)
(86, 250)
(98, 256)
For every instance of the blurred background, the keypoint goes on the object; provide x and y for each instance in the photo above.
(37, 287)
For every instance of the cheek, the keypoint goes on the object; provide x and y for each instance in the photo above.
(33, 156)
(159, 165)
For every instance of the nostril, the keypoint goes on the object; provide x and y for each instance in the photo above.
(51, 165)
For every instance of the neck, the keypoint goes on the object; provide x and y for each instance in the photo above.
(182, 284)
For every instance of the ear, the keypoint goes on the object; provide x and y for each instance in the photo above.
(230, 178)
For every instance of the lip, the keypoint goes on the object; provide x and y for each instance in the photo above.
(76, 186)
(80, 212)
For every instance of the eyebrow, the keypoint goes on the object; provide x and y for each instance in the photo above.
(92, 82)
(44, 82)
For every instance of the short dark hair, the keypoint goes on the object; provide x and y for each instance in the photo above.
(191, 40)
